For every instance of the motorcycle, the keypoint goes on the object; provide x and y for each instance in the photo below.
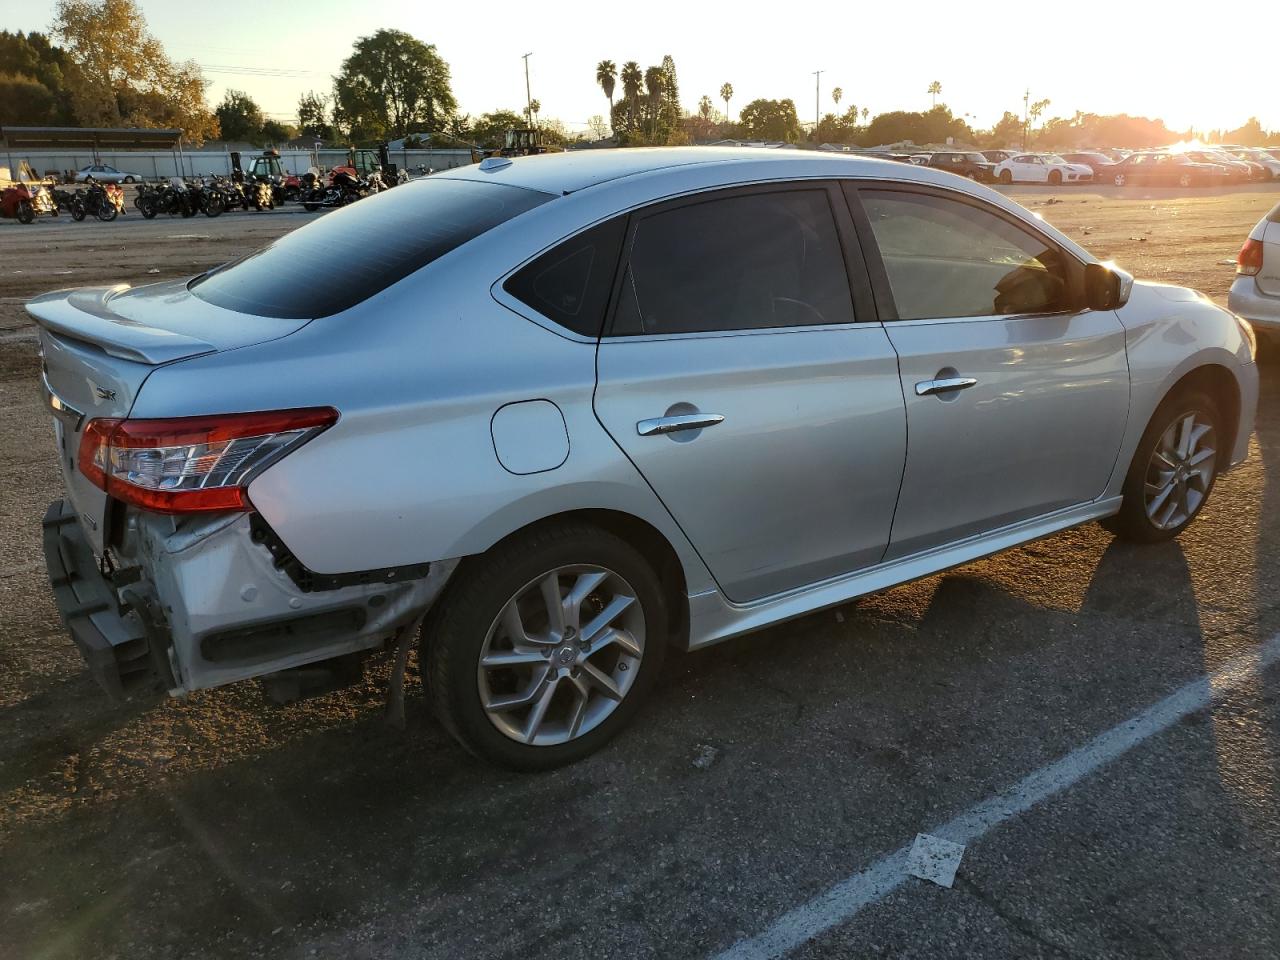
(97, 200)
(343, 189)
(24, 202)
(172, 198)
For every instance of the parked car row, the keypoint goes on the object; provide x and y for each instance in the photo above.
(1205, 166)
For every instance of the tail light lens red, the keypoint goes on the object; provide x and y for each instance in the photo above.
(1249, 260)
(192, 464)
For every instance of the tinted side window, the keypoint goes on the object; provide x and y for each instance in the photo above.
(945, 258)
(570, 283)
(348, 255)
(751, 261)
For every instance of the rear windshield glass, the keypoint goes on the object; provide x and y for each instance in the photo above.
(348, 255)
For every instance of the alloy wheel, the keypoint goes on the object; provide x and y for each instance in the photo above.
(562, 655)
(1181, 471)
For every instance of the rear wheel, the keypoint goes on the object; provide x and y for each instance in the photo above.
(542, 650)
(25, 212)
(1006, 176)
(1118, 179)
(1055, 177)
(214, 205)
(1173, 470)
(1185, 180)
(147, 207)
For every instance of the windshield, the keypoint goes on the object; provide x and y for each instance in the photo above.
(349, 255)
(975, 158)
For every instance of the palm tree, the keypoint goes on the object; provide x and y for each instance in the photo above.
(632, 79)
(837, 94)
(535, 107)
(726, 94)
(704, 107)
(935, 89)
(865, 113)
(654, 80)
(606, 76)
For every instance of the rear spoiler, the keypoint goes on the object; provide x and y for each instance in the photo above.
(85, 314)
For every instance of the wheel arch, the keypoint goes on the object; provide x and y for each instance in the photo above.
(1221, 385)
(652, 544)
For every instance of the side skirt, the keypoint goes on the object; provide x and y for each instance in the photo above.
(713, 618)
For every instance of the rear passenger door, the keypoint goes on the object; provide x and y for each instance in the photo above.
(741, 376)
(1017, 395)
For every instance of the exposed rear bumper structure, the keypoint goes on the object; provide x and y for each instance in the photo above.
(116, 644)
(231, 611)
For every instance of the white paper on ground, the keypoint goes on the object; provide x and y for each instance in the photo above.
(934, 859)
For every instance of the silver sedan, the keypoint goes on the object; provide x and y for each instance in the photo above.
(564, 411)
(105, 173)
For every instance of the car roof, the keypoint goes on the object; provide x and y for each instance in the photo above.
(576, 170)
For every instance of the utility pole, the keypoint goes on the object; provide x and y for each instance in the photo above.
(1026, 118)
(528, 97)
(817, 101)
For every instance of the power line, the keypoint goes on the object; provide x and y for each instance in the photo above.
(258, 71)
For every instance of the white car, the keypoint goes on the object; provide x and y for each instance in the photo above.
(1041, 168)
(1255, 294)
(105, 173)
(1267, 158)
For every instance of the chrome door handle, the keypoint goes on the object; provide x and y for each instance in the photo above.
(685, 421)
(927, 388)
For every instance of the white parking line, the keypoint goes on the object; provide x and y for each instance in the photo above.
(849, 896)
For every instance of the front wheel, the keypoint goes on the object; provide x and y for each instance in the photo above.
(128, 179)
(1185, 180)
(107, 211)
(77, 210)
(1006, 176)
(1055, 177)
(214, 205)
(543, 649)
(1118, 179)
(1173, 470)
(26, 213)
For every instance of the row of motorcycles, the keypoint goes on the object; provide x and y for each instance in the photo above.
(210, 196)
(26, 201)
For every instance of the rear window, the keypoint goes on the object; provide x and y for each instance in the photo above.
(348, 255)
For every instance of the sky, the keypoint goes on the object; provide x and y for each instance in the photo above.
(1174, 60)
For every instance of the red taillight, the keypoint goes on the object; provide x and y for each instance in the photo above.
(192, 464)
(1249, 260)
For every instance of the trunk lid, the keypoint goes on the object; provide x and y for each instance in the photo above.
(99, 345)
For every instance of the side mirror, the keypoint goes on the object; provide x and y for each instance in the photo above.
(1106, 286)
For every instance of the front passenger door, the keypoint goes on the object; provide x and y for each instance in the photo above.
(1017, 395)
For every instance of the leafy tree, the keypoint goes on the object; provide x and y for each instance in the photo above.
(391, 83)
(770, 120)
(839, 129)
(1250, 134)
(597, 127)
(239, 117)
(273, 131)
(670, 112)
(1006, 132)
(31, 59)
(933, 126)
(935, 91)
(705, 107)
(606, 76)
(118, 73)
(490, 129)
(1033, 114)
(313, 116)
(726, 94)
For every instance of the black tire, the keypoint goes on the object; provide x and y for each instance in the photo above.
(214, 205)
(77, 210)
(147, 207)
(128, 179)
(107, 211)
(1132, 522)
(1006, 176)
(455, 632)
(292, 194)
(25, 212)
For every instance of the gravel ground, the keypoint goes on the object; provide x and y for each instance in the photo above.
(765, 770)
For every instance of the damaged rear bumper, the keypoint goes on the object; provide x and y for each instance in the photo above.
(202, 603)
